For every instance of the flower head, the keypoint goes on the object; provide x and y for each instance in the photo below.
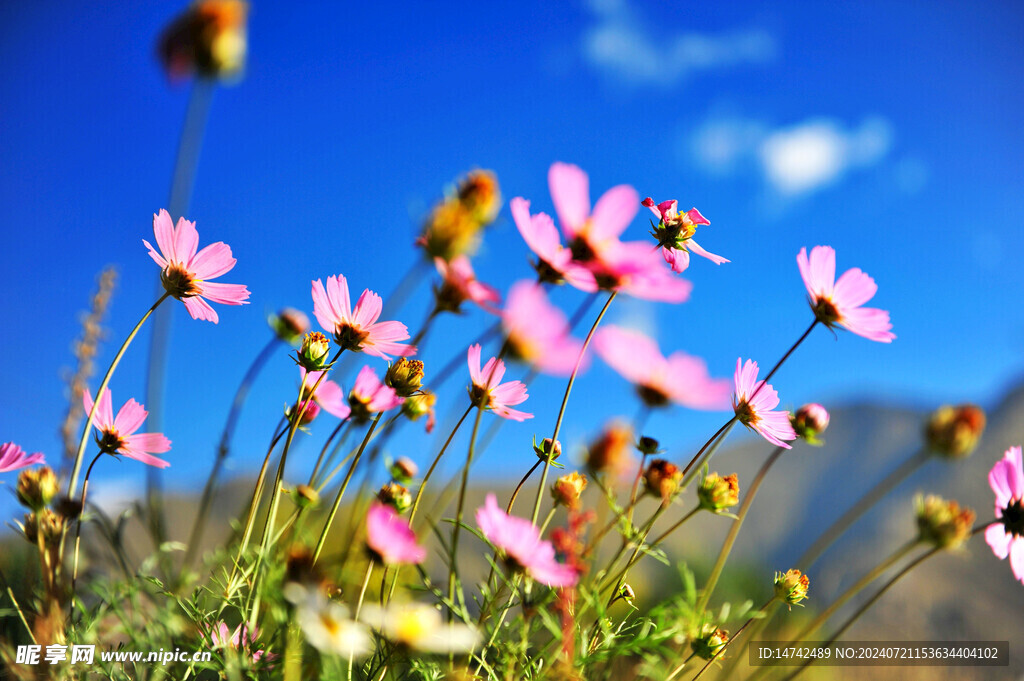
(241, 639)
(568, 489)
(555, 263)
(660, 380)
(209, 38)
(328, 628)
(389, 538)
(314, 353)
(290, 325)
(610, 452)
(459, 284)
(479, 193)
(717, 493)
(809, 422)
(520, 542)
(419, 405)
(488, 392)
(753, 403)
(370, 395)
(943, 523)
(395, 495)
(1006, 538)
(329, 396)
(186, 271)
(538, 332)
(118, 436)
(709, 642)
(953, 432)
(675, 231)
(405, 376)
(357, 329)
(454, 224)
(839, 302)
(13, 457)
(662, 479)
(791, 586)
(37, 487)
(418, 626)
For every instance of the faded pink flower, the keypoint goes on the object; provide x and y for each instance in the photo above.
(659, 380)
(1007, 537)
(839, 302)
(241, 639)
(635, 269)
(460, 284)
(555, 263)
(754, 401)
(329, 395)
(186, 273)
(118, 436)
(358, 329)
(488, 392)
(520, 542)
(370, 395)
(13, 457)
(389, 538)
(675, 231)
(538, 332)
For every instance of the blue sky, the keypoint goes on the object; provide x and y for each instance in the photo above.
(890, 131)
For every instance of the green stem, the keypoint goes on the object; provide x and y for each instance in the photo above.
(359, 605)
(461, 504)
(344, 423)
(734, 531)
(433, 465)
(78, 529)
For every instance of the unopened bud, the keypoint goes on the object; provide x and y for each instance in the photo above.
(609, 453)
(809, 422)
(791, 586)
(306, 496)
(648, 446)
(941, 523)
(405, 376)
(396, 496)
(709, 642)
(662, 479)
(37, 487)
(289, 325)
(451, 230)
(45, 524)
(314, 352)
(954, 431)
(547, 448)
(404, 469)
(717, 493)
(568, 489)
(419, 405)
(309, 410)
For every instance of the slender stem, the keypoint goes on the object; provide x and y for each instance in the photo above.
(78, 528)
(461, 504)
(515, 493)
(344, 485)
(258, 490)
(734, 531)
(344, 423)
(359, 605)
(565, 402)
(789, 352)
(722, 649)
(632, 561)
(196, 535)
(873, 496)
(720, 433)
(73, 483)
(433, 465)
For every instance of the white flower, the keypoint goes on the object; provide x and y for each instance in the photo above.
(420, 627)
(328, 629)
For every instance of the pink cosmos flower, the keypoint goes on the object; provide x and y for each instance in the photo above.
(358, 329)
(675, 232)
(488, 392)
(118, 436)
(389, 538)
(1007, 538)
(370, 395)
(186, 273)
(13, 457)
(555, 263)
(460, 284)
(329, 395)
(839, 302)
(754, 404)
(520, 541)
(538, 332)
(659, 380)
(634, 268)
(240, 639)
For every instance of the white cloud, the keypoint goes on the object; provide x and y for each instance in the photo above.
(639, 52)
(796, 159)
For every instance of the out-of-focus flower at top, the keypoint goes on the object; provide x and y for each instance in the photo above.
(459, 284)
(554, 262)
(1006, 538)
(954, 432)
(389, 539)
(357, 329)
(488, 392)
(186, 271)
(754, 401)
(290, 325)
(520, 542)
(537, 332)
(13, 457)
(454, 224)
(675, 231)
(660, 380)
(839, 302)
(118, 436)
(479, 193)
(208, 39)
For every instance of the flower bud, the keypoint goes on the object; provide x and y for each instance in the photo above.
(403, 470)
(289, 325)
(709, 642)
(626, 593)
(450, 231)
(479, 193)
(309, 409)
(662, 479)
(314, 352)
(46, 523)
(809, 422)
(37, 487)
(306, 497)
(209, 38)
(609, 453)
(717, 493)
(648, 446)
(405, 376)
(396, 496)
(954, 431)
(568, 489)
(547, 448)
(942, 523)
(791, 586)
(421, 404)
